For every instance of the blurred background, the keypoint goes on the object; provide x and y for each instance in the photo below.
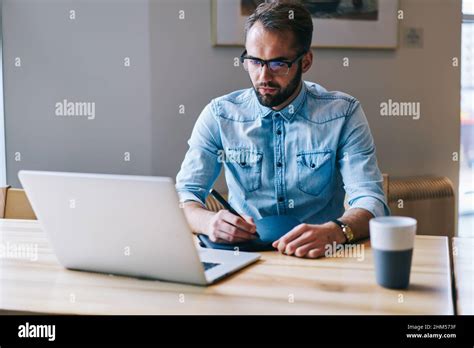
(466, 177)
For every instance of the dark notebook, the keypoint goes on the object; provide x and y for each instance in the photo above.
(269, 229)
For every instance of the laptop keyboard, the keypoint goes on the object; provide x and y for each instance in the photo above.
(209, 265)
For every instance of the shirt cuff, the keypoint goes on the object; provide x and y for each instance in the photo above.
(189, 196)
(373, 205)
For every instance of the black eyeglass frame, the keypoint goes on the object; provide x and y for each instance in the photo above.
(265, 62)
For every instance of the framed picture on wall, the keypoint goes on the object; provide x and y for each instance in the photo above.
(369, 24)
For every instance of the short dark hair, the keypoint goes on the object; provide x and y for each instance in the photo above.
(276, 16)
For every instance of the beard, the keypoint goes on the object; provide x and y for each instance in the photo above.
(272, 100)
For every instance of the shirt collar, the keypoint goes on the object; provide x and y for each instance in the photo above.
(288, 111)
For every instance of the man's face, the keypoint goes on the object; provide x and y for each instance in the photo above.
(271, 90)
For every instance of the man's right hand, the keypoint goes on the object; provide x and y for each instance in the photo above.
(225, 227)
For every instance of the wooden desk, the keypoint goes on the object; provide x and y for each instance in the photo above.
(277, 284)
(463, 261)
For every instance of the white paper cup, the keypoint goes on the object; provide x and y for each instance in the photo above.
(392, 239)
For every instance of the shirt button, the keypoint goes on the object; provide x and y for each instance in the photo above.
(279, 164)
(277, 115)
(280, 199)
(278, 132)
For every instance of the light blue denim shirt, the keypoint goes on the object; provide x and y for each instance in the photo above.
(298, 161)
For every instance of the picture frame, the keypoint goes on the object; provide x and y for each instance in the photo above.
(336, 25)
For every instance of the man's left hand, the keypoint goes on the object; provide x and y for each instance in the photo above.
(309, 241)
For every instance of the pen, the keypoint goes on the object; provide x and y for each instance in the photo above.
(226, 204)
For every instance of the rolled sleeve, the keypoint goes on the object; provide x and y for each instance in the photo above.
(363, 181)
(372, 205)
(201, 165)
(185, 196)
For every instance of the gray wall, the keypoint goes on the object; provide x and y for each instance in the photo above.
(139, 107)
(78, 60)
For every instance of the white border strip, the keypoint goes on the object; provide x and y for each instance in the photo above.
(3, 166)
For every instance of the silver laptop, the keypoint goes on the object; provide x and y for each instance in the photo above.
(124, 224)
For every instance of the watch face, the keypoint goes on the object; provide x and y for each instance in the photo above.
(348, 232)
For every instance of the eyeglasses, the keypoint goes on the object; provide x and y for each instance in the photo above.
(276, 66)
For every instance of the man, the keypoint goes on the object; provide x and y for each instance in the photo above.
(289, 147)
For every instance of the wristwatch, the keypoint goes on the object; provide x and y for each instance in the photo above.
(346, 230)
